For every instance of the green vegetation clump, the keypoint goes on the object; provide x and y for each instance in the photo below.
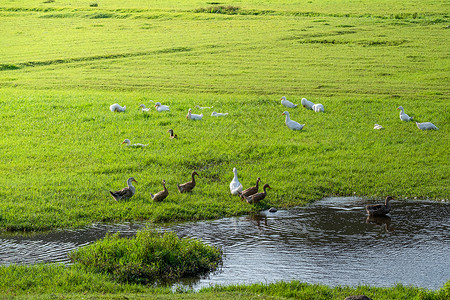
(149, 257)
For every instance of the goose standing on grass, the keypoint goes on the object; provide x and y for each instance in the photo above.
(159, 107)
(287, 103)
(380, 209)
(426, 126)
(251, 190)
(307, 104)
(143, 108)
(193, 116)
(172, 135)
(255, 198)
(117, 108)
(235, 185)
(376, 126)
(129, 144)
(318, 107)
(292, 124)
(216, 114)
(161, 195)
(126, 192)
(403, 116)
(188, 186)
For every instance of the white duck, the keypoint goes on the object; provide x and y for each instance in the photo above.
(143, 108)
(117, 108)
(287, 103)
(318, 107)
(203, 107)
(403, 116)
(292, 124)
(127, 141)
(426, 126)
(216, 114)
(378, 127)
(307, 104)
(160, 107)
(193, 116)
(235, 185)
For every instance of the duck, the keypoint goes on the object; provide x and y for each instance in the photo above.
(255, 198)
(188, 186)
(193, 116)
(159, 107)
(128, 142)
(161, 195)
(403, 116)
(143, 108)
(426, 126)
(125, 193)
(117, 108)
(376, 126)
(287, 103)
(235, 185)
(318, 107)
(251, 190)
(203, 107)
(380, 209)
(307, 104)
(292, 124)
(172, 135)
(216, 114)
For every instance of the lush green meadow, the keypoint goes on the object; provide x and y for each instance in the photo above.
(63, 63)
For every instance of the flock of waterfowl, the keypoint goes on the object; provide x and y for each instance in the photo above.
(251, 194)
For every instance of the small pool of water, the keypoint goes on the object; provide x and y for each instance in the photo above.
(329, 242)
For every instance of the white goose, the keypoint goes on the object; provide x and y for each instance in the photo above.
(117, 108)
(203, 107)
(307, 104)
(292, 124)
(287, 103)
(127, 141)
(378, 127)
(235, 185)
(403, 116)
(160, 107)
(426, 126)
(193, 116)
(318, 107)
(216, 114)
(143, 108)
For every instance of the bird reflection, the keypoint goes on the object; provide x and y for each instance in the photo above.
(380, 220)
(258, 220)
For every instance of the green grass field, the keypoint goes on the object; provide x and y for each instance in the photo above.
(62, 63)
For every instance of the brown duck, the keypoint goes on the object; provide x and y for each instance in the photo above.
(250, 191)
(172, 136)
(379, 209)
(255, 198)
(161, 195)
(126, 192)
(188, 186)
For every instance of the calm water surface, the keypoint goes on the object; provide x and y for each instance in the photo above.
(330, 242)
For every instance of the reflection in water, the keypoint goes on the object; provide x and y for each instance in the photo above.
(330, 242)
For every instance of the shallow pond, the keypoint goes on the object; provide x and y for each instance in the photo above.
(330, 242)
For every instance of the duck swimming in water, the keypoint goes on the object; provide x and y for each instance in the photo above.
(379, 209)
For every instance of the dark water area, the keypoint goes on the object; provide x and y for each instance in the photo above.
(331, 242)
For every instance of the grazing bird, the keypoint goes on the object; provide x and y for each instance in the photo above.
(403, 116)
(251, 190)
(255, 198)
(292, 124)
(127, 141)
(307, 104)
(117, 108)
(188, 186)
(379, 209)
(287, 103)
(216, 114)
(126, 192)
(159, 107)
(172, 136)
(426, 126)
(161, 195)
(376, 126)
(204, 107)
(235, 185)
(318, 107)
(143, 108)
(193, 116)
